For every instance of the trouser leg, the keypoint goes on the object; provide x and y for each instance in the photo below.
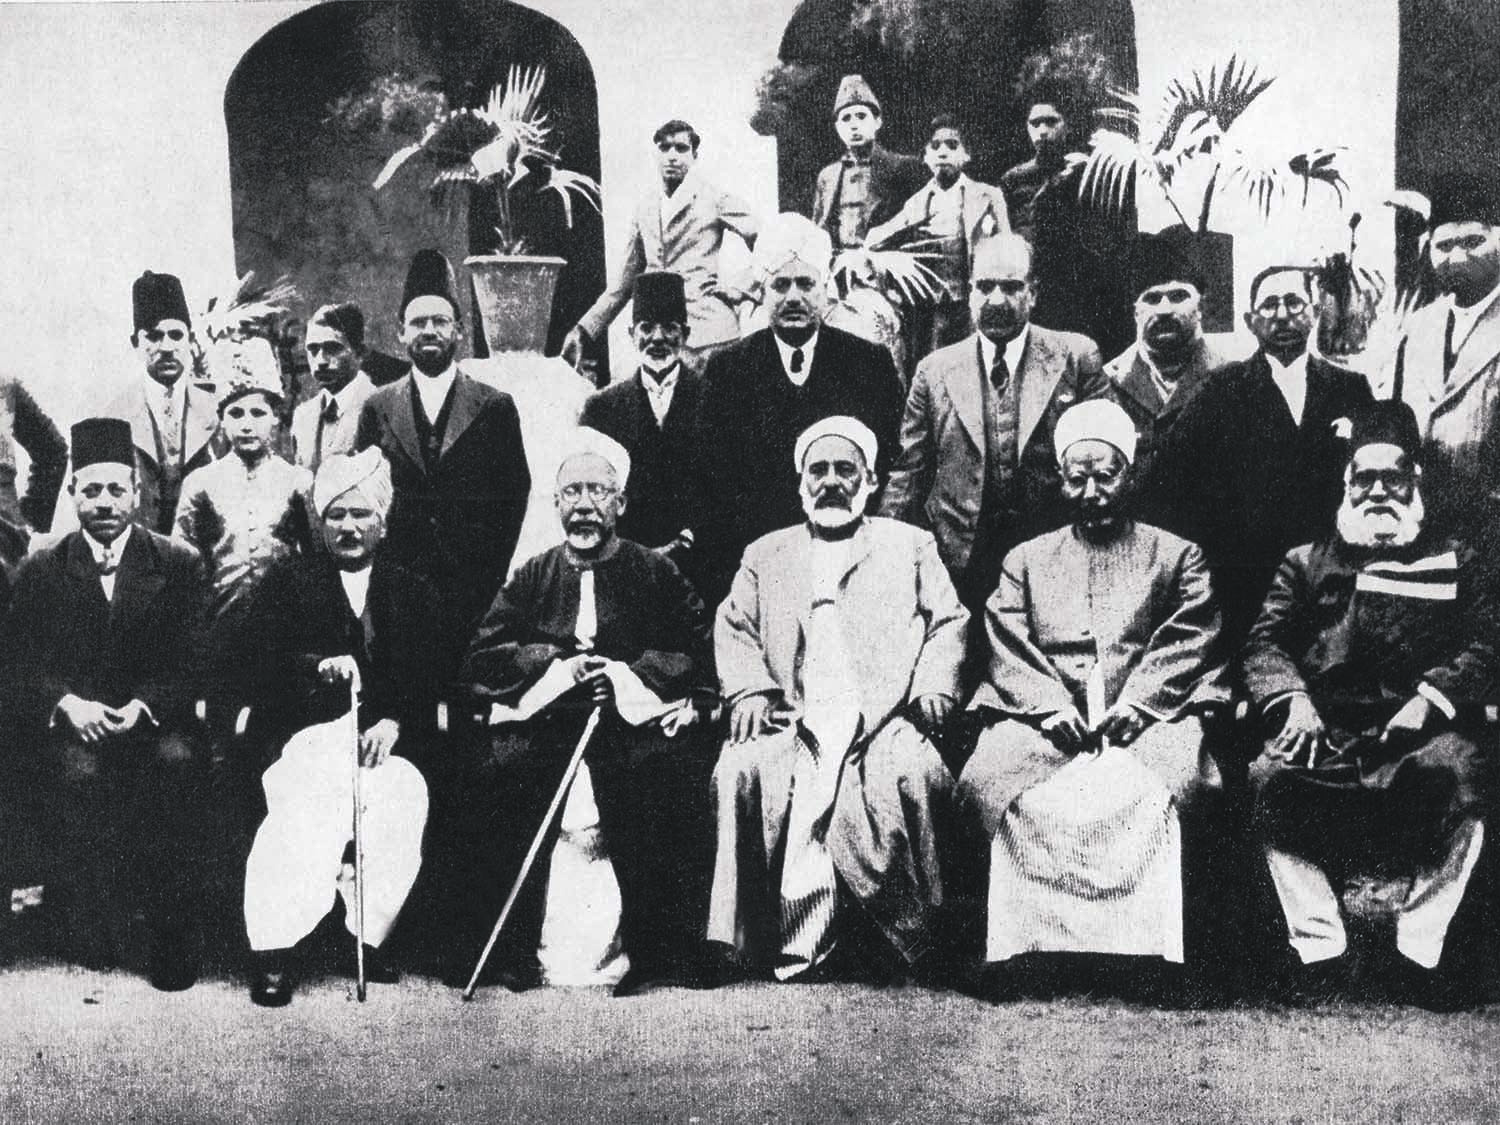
(1315, 928)
(1435, 896)
(394, 816)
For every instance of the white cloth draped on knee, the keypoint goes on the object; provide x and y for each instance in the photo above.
(292, 875)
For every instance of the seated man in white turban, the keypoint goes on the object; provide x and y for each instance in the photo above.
(324, 622)
(838, 652)
(595, 623)
(1102, 644)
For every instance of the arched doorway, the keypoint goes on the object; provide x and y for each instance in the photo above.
(317, 105)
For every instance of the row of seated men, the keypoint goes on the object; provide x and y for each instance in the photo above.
(830, 832)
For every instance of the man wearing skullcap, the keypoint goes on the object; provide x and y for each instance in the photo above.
(1447, 364)
(1171, 360)
(1368, 671)
(976, 464)
(326, 423)
(867, 185)
(681, 229)
(1254, 464)
(654, 416)
(597, 622)
(174, 419)
(457, 460)
(838, 653)
(321, 621)
(1102, 654)
(761, 393)
(98, 679)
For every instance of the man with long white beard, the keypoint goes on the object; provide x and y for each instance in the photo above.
(1369, 666)
(838, 653)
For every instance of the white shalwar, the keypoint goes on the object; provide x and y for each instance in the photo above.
(296, 861)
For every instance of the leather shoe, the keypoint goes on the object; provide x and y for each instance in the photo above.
(520, 976)
(273, 986)
(172, 966)
(378, 970)
(635, 980)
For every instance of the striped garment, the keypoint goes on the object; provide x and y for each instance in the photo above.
(1434, 578)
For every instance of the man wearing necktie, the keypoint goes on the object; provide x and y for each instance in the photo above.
(326, 423)
(1447, 365)
(976, 464)
(868, 184)
(98, 684)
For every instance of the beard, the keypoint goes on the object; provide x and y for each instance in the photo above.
(834, 517)
(1387, 526)
(433, 362)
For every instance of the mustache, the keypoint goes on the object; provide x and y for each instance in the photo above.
(833, 498)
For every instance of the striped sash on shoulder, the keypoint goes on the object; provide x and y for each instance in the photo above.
(1434, 578)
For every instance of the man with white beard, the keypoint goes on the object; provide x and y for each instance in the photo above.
(838, 653)
(1370, 665)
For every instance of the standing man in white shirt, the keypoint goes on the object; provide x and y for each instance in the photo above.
(1254, 465)
(326, 423)
(681, 228)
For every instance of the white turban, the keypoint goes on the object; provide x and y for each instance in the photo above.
(367, 471)
(1095, 420)
(790, 235)
(585, 439)
(839, 425)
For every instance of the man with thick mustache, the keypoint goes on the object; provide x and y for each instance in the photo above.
(838, 652)
(595, 622)
(1369, 669)
(457, 460)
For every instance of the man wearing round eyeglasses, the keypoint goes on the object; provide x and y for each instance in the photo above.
(597, 622)
(1253, 466)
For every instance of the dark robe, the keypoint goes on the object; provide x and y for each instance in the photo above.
(651, 789)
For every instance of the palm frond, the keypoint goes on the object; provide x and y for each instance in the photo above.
(1224, 96)
(1321, 165)
(1413, 201)
(907, 274)
(570, 185)
(393, 165)
(1114, 163)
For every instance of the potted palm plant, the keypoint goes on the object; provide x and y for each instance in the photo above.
(485, 158)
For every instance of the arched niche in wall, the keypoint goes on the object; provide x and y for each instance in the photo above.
(318, 104)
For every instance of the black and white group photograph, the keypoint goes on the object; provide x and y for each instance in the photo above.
(760, 561)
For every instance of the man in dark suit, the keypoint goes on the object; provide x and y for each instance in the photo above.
(763, 392)
(454, 445)
(97, 680)
(1254, 464)
(868, 184)
(976, 466)
(654, 416)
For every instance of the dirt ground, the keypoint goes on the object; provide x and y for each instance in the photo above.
(77, 1046)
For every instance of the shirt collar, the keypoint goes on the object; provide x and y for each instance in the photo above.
(937, 189)
(1015, 349)
(97, 548)
(1465, 319)
(660, 382)
(786, 351)
(676, 203)
(434, 389)
(345, 394)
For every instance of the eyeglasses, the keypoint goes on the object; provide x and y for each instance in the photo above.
(157, 335)
(595, 490)
(1293, 304)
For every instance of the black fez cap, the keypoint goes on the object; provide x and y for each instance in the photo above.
(660, 298)
(97, 440)
(1171, 255)
(430, 275)
(1386, 422)
(158, 297)
(1463, 197)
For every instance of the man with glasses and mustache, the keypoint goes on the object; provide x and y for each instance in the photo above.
(1369, 669)
(597, 622)
(838, 654)
(680, 228)
(1253, 466)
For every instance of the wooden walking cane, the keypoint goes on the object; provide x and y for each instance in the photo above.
(359, 846)
(536, 847)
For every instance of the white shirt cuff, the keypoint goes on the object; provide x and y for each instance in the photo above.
(1437, 699)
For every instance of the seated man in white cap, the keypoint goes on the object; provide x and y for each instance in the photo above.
(763, 392)
(1102, 644)
(322, 621)
(597, 622)
(838, 651)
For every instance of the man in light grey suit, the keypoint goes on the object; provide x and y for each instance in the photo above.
(680, 229)
(326, 423)
(976, 465)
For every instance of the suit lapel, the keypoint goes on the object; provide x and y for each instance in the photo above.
(403, 422)
(138, 581)
(1190, 382)
(967, 395)
(1040, 373)
(142, 428)
(201, 424)
(462, 410)
(1474, 356)
(1140, 386)
(87, 592)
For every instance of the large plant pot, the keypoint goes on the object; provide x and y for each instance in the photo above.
(515, 299)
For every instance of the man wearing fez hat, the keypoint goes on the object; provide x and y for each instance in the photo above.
(1369, 669)
(321, 621)
(761, 393)
(173, 418)
(597, 622)
(457, 459)
(325, 424)
(1088, 775)
(654, 415)
(1447, 365)
(98, 677)
(867, 185)
(1171, 360)
(838, 652)
(680, 228)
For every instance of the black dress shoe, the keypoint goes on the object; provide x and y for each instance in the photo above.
(714, 968)
(273, 984)
(172, 966)
(378, 970)
(636, 979)
(520, 976)
(1319, 982)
